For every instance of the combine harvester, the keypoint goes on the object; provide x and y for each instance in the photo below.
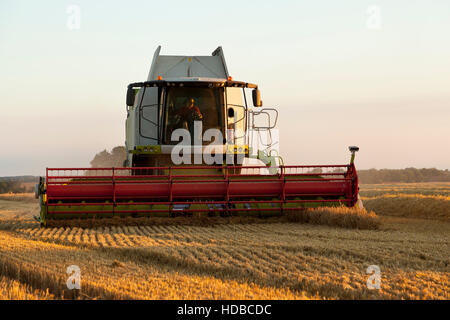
(186, 101)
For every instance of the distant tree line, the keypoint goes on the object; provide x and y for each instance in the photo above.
(16, 184)
(7, 186)
(403, 175)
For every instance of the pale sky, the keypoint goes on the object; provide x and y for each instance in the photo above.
(339, 74)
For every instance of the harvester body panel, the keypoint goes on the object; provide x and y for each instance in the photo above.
(168, 66)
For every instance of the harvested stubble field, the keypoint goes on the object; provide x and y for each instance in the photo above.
(419, 200)
(316, 256)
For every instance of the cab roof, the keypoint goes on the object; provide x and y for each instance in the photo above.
(193, 82)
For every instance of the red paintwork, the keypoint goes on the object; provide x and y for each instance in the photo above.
(72, 185)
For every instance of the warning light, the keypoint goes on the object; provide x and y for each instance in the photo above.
(159, 78)
(230, 78)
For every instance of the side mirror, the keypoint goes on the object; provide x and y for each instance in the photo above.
(256, 95)
(130, 96)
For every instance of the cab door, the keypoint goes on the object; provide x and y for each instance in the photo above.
(236, 117)
(148, 100)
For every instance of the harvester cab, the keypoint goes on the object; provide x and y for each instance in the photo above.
(194, 95)
(189, 127)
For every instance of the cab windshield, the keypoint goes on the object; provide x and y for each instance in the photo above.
(184, 105)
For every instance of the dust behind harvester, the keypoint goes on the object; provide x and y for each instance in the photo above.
(195, 95)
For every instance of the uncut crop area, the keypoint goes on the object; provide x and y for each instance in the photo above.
(257, 260)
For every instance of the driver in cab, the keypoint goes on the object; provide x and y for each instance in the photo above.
(190, 112)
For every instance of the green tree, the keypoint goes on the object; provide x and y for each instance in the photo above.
(105, 159)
